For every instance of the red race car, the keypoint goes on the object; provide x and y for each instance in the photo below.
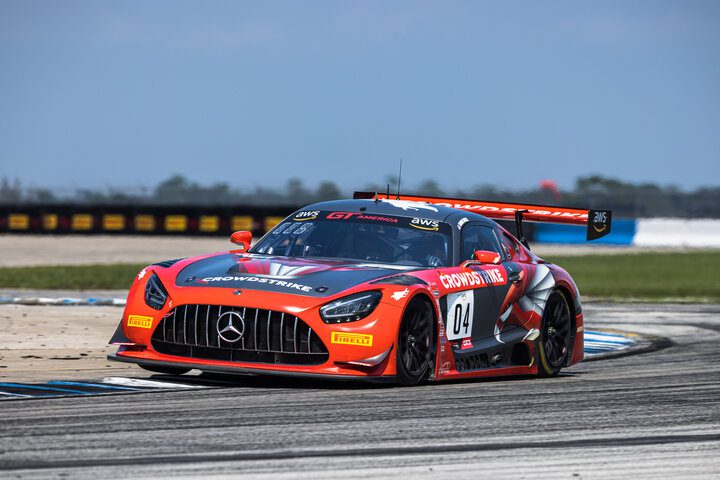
(399, 288)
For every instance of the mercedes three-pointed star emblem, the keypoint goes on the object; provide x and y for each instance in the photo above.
(230, 326)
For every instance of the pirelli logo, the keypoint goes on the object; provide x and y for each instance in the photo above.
(139, 321)
(359, 339)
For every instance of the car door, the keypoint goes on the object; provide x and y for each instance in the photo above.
(518, 268)
(530, 285)
(473, 306)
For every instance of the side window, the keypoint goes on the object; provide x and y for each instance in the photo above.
(478, 237)
(509, 246)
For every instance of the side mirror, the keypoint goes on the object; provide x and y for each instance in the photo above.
(486, 256)
(242, 239)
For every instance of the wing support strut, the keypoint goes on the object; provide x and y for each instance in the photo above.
(519, 228)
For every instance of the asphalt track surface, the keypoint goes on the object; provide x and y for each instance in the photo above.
(652, 415)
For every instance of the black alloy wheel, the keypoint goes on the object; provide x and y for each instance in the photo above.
(415, 343)
(555, 335)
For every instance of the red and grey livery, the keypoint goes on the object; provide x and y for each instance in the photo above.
(401, 289)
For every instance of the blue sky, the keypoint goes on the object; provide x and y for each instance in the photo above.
(127, 93)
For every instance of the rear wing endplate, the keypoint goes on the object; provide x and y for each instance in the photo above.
(598, 222)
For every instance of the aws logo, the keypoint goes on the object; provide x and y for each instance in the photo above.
(309, 215)
(600, 221)
(425, 224)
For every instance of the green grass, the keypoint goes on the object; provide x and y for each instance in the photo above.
(690, 277)
(76, 277)
(687, 276)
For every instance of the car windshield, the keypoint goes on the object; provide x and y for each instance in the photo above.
(360, 236)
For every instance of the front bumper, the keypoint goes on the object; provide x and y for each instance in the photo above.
(359, 349)
(243, 370)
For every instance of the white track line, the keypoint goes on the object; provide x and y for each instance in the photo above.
(14, 394)
(136, 382)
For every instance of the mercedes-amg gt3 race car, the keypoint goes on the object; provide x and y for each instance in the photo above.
(399, 288)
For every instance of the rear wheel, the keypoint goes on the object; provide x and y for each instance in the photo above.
(414, 345)
(555, 335)
(166, 370)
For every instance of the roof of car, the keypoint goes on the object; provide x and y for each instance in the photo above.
(400, 208)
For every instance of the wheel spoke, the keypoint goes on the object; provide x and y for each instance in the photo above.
(549, 350)
(406, 358)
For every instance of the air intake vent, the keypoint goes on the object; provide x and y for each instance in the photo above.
(168, 263)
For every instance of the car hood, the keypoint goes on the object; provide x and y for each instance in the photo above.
(300, 276)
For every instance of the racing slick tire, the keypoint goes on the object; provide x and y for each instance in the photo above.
(555, 335)
(166, 370)
(415, 343)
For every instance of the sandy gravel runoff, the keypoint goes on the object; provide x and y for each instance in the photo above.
(28, 250)
(41, 343)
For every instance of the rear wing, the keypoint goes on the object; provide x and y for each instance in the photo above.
(598, 222)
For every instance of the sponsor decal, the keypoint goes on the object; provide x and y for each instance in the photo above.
(269, 281)
(358, 339)
(445, 367)
(306, 215)
(491, 208)
(142, 273)
(293, 228)
(18, 221)
(462, 222)
(359, 216)
(287, 228)
(466, 343)
(399, 295)
(139, 321)
(460, 314)
(492, 276)
(600, 221)
(425, 224)
(408, 205)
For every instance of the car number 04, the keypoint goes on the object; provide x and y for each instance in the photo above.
(460, 314)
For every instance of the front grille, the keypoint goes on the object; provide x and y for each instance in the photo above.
(269, 336)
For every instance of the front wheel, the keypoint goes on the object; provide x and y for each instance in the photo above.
(414, 344)
(555, 335)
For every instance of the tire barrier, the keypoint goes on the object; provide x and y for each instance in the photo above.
(190, 220)
(139, 220)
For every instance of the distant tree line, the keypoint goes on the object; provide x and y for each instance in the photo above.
(624, 198)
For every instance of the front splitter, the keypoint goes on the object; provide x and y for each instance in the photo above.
(252, 371)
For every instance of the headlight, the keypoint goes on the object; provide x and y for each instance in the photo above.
(350, 308)
(155, 294)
